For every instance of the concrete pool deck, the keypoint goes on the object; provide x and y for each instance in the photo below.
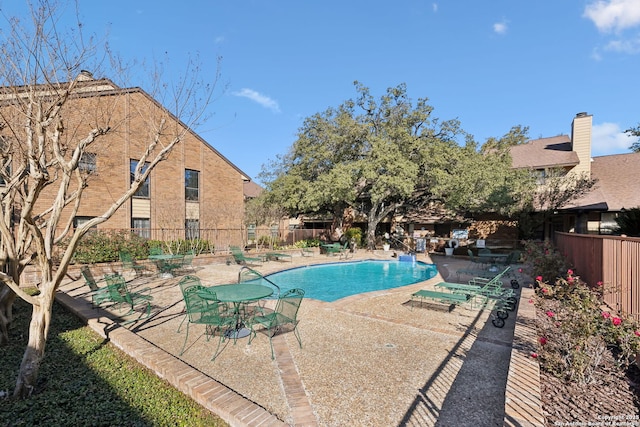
(367, 360)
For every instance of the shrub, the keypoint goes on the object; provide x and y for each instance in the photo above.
(542, 259)
(270, 241)
(182, 246)
(307, 243)
(628, 222)
(354, 233)
(103, 246)
(574, 331)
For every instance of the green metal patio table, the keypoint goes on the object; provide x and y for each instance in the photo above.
(494, 259)
(166, 263)
(237, 294)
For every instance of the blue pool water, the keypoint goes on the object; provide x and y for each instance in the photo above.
(330, 282)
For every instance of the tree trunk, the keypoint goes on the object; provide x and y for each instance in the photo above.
(7, 297)
(38, 330)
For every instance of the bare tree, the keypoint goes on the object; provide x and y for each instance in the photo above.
(51, 121)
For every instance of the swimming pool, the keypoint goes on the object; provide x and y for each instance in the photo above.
(330, 282)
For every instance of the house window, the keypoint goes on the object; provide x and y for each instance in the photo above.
(251, 232)
(87, 163)
(608, 224)
(191, 185)
(143, 191)
(78, 221)
(540, 175)
(192, 229)
(141, 227)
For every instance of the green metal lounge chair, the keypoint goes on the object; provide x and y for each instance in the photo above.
(449, 298)
(285, 313)
(490, 288)
(98, 294)
(278, 255)
(475, 284)
(241, 259)
(120, 295)
(199, 311)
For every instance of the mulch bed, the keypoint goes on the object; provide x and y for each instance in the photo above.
(612, 399)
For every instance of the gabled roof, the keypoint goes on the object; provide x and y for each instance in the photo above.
(618, 183)
(251, 189)
(88, 86)
(544, 153)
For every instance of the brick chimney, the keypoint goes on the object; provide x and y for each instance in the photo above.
(85, 76)
(581, 141)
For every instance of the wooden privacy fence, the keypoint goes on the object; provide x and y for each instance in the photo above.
(614, 260)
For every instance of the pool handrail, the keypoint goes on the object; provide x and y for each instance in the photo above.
(257, 275)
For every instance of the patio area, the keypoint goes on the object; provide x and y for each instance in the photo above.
(367, 360)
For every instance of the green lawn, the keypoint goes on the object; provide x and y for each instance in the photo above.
(85, 381)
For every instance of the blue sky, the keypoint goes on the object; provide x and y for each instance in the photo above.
(492, 65)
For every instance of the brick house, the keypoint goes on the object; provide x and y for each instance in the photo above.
(195, 190)
(618, 178)
(617, 188)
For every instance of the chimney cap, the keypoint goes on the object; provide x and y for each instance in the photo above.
(85, 75)
(582, 114)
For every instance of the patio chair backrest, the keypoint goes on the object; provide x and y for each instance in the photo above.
(155, 251)
(289, 304)
(188, 282)
(196, 306)
(247, 274)
(88, 278)
(117, 287)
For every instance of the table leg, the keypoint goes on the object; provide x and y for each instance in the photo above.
(239, 331)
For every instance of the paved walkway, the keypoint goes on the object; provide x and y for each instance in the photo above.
(367, 360)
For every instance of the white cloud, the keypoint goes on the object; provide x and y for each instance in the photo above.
(500, 27)
(263, 100)
(624, 46)
(435, 7)
(613, 15)
(608, 138)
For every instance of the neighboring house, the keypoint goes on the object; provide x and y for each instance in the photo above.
(195, 190)
(617, 188)
(251, 190)
(618, 178)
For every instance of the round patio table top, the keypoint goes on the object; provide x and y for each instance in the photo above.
(164, 257)
(239, 292)
(492, 255)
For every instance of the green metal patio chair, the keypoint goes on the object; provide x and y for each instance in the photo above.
(98, 294)
(247, 274)
(156, 251)
(285, 313)
(120, 295)
(199, 311)
(128, 263)
(187, 262)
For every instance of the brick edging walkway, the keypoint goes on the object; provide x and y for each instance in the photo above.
(523, 403)
(217, 398)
